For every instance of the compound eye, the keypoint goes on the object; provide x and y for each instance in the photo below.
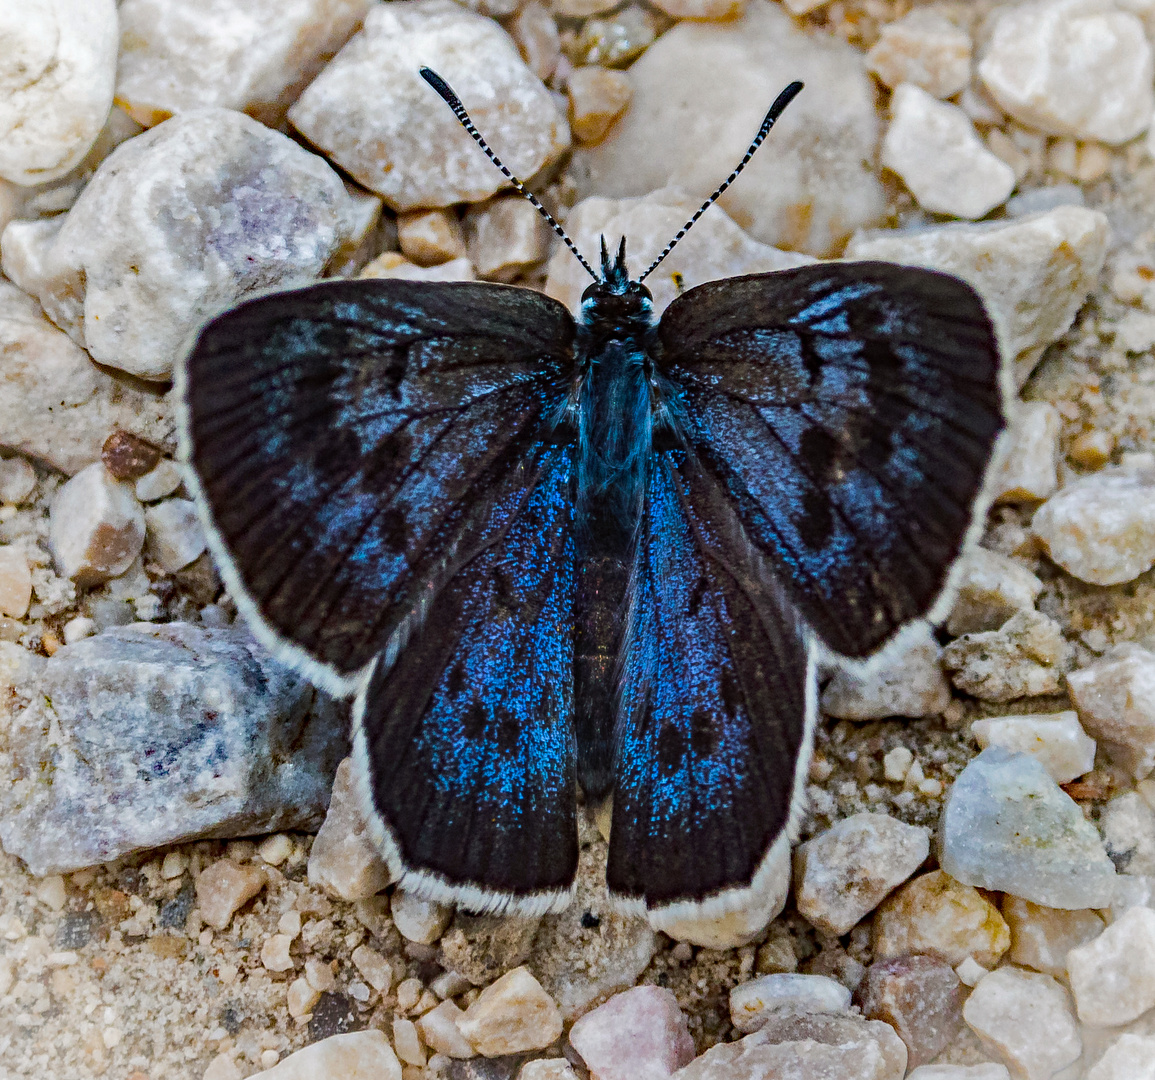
(593, 291)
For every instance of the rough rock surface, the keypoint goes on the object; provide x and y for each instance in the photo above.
(640, 1034)
(1115, 699)
(815, 188)
(1041, 936)
(97, 526)
(752, 1003)
(1056, 740)
(177, 224)
(920, 997)
(374, 116)
(154, 734)
(344, 861)
(924, 49)
(907, 680)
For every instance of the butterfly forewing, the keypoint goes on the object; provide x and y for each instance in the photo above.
(849, 411)
(354, 444)
(715, 706)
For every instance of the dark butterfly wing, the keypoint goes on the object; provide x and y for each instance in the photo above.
(466, 745)
(850, 412)
(356, 443)
(716, 705)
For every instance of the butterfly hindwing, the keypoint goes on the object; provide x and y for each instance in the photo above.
(849, 411)
(466, 744)
(716, 703)
(355, 444)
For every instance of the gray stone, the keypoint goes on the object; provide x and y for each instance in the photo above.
(1007, 826)
(1023, 658)
(175, 225)
(150, 735)
(372, 113)
(1115, 698)
(906, 680)
(992, 588)
(816, 185)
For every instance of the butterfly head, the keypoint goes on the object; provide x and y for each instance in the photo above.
(614, 298)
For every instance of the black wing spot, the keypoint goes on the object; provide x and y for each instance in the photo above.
(821, 452)
(455, 683)
(671, 748)
(703, 735)
(816, 523)
(474, 721)
(508, 730)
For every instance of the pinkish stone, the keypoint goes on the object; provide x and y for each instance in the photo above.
(920, 997)
(640, 1034)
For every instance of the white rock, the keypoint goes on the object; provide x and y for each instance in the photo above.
(254, 56)
(1041, 937)
(1113, 977)
(439, 1030)
(547, 1069)
(359, 1055)
(1130, 1057)
(430, 237)
(224, 887)
(55, 404)
(1007, 826)
(640, 1034)
(1101, 528)
(57, 72)
(423, 921)
(988, 1071)
(732, 72)
(842, 874)
(177, 224)
(715, 248)
(1056, 740)
(17, 480)
(374, 968)
(925, 49)
(1115, 699)
(373, 114)
(1033, 273)
(752, 1002)
(15, 582)
(158, 482)
(907, 680)
(343, 860)
(97, 527)
(934, 148)
(597, 97)
(535, 30)
(174, 534)
(392, 265)
(1026, 1018)
(1029, 466)
(506, 236)
(1128, 827)
(1071, 67)
(991, 588)
(407, 1042)
(511, 1015)
(1023, 658)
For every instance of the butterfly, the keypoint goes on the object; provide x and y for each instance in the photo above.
(544, 553)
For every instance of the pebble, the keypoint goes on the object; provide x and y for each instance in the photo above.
(547, 1069)
(1033, 273)
(234, 740)
(991, 589)
(906, 680)
(1023, 658)
(17, 480)
(535, 31)
(275, 849)
(430, 237)
(618, 39)
(844, 873)
(55, 404)
(224, 887)
(254, 57)
(986, 1071)
(374, 967)
(1026, 1019)
(597, 97)
(55, 98)
(392, 265)
(702, 9)
(159, 482)
(407, 1042)
(1101, 528)
(1041, 937)
(936, 151)
(357, 1055)
(1056, 740)
(15, 582)
(1071, 67)
(923, 49)
(371, 112)
(510, 1016)
(1007, 826)
(344, 861)
(1130, 1057)
(174, 536)
(639, 1034)
(920, 997)
(200, 210)
(439, 1030)
(715, 248)
(1028, 469)
(423, 921)
(275, 952)
(814, 1046)
(506, 236)
(751, 1003)
(97, 527)
(127, 456)
(1115, 699)
(1113, 976)
(737, 68)
(1128, 827)
(940, 916)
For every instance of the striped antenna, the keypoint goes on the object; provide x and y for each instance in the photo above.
(776, 110)
(454, 102)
